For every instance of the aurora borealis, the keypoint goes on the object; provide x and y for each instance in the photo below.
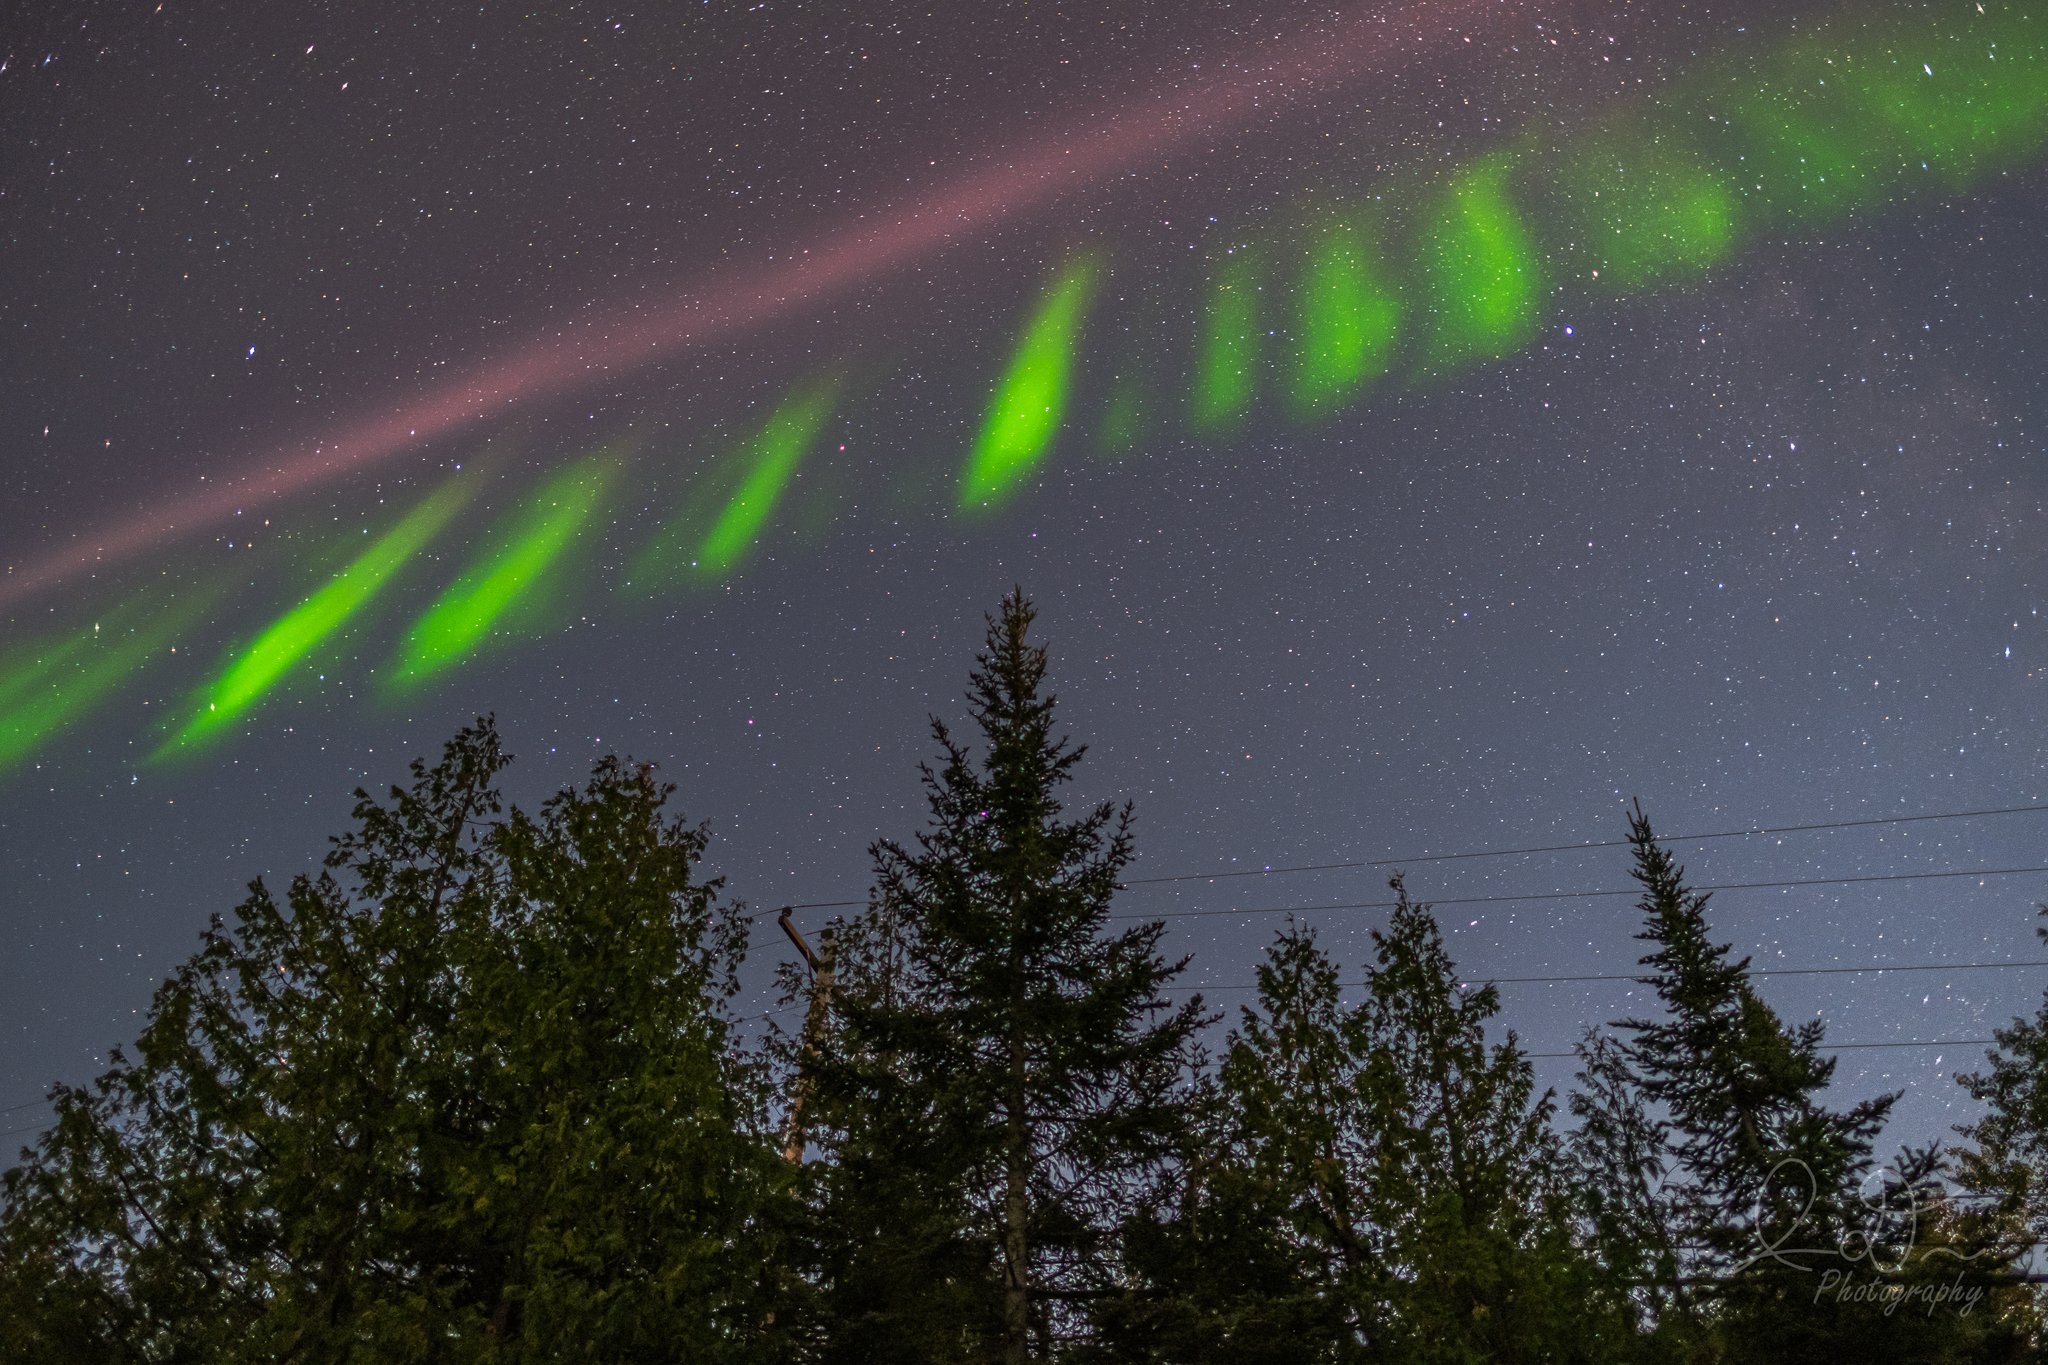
(1192, 299)
(1633, 209)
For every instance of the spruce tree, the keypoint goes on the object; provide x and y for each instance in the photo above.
(1468, 1168)
(1221, 1273)
(1304, 1131)
(1740, 1090)
(1004, 1080)
(1763, 1187)
(2003, 1170)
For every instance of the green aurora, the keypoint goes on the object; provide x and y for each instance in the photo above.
(1031, 398)
(728, 505)
(48, 687)
(1348, 318)
(1227, 352)
(263, 663)
(524, 549)
(1439, 273)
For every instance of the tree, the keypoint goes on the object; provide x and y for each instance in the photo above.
(1390, 1188)
(1619, 1155)
(1467, 1169)
(1004, 1079)
(466, 1095)
(1761, 1190)
(2004, 1170)
(2008, 1158)
(1740, 1089)
(1218, 1276)
(1263, 1250)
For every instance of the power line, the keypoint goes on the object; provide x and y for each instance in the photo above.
(1510, 899)
(1849, 1047)
(1224, 875)
(1825, 1047)
(1632, 976)
(1869, 968)
(1529, 896)
(1590, 895)
(1876, 967)
(1574, 848)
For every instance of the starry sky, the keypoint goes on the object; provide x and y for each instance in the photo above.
(1423, 428)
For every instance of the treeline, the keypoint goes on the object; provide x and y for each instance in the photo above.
(476, 1092)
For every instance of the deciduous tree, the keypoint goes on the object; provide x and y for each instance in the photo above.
(466, 1095)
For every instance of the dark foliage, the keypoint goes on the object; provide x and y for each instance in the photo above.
(466, 1095)
(1005, 1080)
(472, 1094)
(1384, 1186)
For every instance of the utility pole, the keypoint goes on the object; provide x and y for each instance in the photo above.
(815, 1021)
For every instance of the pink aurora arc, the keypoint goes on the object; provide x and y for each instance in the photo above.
(1063, 162)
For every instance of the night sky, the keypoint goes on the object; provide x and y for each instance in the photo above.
(1424, 428)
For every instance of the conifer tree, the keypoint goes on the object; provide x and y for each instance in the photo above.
(466, 1095)
(1468, 1168)
(1398, 1165)
(1740, 1091)
(2008, 1154)
(1619, 1156)
(1221, 1273)
(1004, 1080)
(1763, 1182)
(2004, 1168)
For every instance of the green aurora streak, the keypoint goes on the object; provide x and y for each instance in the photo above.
(1348, 319)
(1483, 276)
(1227, 355)
(1639, 212)
(1852, 115)
(731, 497)
(265, 661)
(776, 452)
(543, 528)
(1031, 398)
(48, 687)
